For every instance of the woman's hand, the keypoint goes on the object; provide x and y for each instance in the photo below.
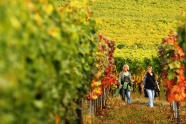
(120, 86)
(158, 89)
(142, 89)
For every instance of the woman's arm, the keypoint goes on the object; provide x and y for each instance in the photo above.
(144, 82)
(157, 83)
(130, 83)
(119, 80)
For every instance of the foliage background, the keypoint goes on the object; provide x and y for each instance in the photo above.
(46, 58)
(138, 25)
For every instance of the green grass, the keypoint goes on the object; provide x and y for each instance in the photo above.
(117, 112)
(137, 112)
(139, 24)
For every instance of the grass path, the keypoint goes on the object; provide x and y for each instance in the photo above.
(117, 112)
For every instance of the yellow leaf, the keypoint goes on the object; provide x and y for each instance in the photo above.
(42, 1)
(54, 32)
(38, 18)
(49, 9)
(57, 119)
(15, 23)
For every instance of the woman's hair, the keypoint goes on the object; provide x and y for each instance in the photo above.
(149, 67)
(125, 65)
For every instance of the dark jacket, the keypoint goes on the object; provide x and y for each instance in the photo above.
(123, 78)
(150, 81)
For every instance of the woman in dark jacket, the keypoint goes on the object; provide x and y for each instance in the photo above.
(150, 84)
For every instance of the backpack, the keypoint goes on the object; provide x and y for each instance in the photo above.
(126, 84)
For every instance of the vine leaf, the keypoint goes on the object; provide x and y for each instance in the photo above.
(171, 75)
(175, 64)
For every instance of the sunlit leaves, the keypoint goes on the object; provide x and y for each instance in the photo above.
(182, 30)
(172, 55)
(105, 68)
(138, 24)
(46, 59)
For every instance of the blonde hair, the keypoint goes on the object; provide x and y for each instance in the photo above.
(149, 67)
(125, 65)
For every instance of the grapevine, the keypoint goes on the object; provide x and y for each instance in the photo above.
(172, 55)
(105, 68)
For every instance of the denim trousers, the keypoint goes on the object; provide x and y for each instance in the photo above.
(150, 94)
(126, 93)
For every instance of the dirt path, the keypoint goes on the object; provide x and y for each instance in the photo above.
(117, 112)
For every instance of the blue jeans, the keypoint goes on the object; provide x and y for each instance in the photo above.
(150, 94)
(127, 93)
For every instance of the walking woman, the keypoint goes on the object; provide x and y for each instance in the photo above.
(150, 85)
(125, 83)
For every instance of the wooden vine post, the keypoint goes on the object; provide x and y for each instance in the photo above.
(104, 76)
(172, 55)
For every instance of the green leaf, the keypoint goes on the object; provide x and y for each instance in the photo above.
(38, 103)
(171, 75)
(175, 64)
(86, 67)
(166, 67)
(169, 60)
